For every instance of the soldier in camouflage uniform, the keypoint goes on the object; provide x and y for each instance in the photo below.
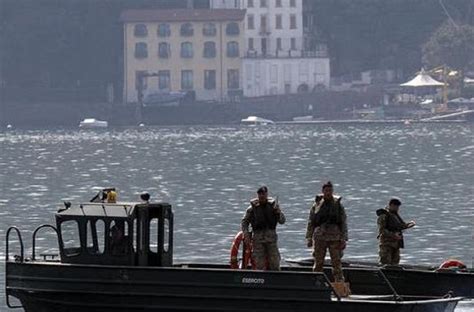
(390, 236)
(263, 215)
(327, 230)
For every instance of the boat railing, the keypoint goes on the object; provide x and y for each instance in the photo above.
(18, 258)
(33, 253)
(396, 296)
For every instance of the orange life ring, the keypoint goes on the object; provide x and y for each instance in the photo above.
(234, 253)
(452, 264)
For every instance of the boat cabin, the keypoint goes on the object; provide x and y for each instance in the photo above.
(131, 234)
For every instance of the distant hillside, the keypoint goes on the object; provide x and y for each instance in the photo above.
(65, 44)
(381, 34)
(77, 44)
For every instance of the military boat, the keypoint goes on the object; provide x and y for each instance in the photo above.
(119, 257)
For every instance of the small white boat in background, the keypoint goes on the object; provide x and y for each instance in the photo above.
(92, 123)
(254, 120)
(303, 118)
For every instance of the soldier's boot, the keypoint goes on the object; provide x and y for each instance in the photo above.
(342, 289)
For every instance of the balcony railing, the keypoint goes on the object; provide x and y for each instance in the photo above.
(287, 54)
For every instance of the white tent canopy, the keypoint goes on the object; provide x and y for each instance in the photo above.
(422, 80)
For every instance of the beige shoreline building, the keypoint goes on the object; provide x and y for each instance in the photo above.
(195, 51)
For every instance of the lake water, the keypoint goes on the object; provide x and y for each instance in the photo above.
(209, 174)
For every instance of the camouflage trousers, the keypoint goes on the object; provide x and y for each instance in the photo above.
(264, 252)
(319, 253)
(389, 255)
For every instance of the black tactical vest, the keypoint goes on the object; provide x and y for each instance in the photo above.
(328, 214)
(263, 216)
(394, 223)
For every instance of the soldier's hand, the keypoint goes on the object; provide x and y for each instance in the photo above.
(276, 209)
(398, 236)
(411, 224)
(309, 243)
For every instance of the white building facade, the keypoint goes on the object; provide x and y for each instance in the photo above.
(274, 76)
(275, 60)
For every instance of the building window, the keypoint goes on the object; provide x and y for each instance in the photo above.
(293, 3)
(209, 49)
(293, 43)
(263, 23)
(279, 44)
(209, 29)
(164, 50)
(263, 43)
(292, 21)
(250, 22)
(303, 71)
(141, 50)
(140, 30)
(287, 73)
(233, 49)
(164, 78)
(278, 22)
(187, 79)
(187, 30)
(278, 3)
(210, 79)
(164, 30)
(138, 74)
(187, 50)
(263, 3)
(250, 3)
(233, 79)
(251, 45)
(232, 29)
(274, 73)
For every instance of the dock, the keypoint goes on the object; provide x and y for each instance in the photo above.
(464, 113)
(375, 121)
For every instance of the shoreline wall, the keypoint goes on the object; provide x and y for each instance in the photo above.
(326, 105)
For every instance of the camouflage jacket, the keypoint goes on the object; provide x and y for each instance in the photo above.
(263, 220)
(389, 225)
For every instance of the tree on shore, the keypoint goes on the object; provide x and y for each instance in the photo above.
(451, 45)
(382, 34)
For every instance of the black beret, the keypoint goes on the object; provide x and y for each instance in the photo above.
(395, 201)
(262, 189)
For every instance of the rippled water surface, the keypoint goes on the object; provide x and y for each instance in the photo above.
(209, 174)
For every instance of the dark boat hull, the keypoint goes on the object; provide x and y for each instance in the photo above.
(408, 280)
(412, 282)
(45, 287)
(184, 304)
